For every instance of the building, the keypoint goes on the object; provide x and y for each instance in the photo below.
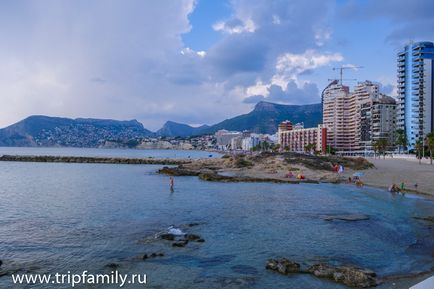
(248, 143)
(339, 112)
(224, 138)
(415, 91)
(351, 117)
(377, 121)
(296, 139)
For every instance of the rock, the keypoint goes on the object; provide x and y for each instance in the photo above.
(1, 263)
(193, 224)
(427, 218)
(321, 270)
(283, 266)
(180, 243)
(355, 277)
(200, 240)
(169, 237)
(152, 255)
(112, 266)
(192, 237)
(350, 217)
(348, 275)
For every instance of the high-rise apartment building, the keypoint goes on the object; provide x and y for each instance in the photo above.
(352, 117)
(339, 110)
(377, 121)
(416, 91)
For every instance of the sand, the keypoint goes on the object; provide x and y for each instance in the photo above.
(395, 171)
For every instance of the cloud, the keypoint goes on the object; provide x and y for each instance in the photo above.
(124, 60)
(235, 26)
(254, 99)
(410, 19)
(292, 94)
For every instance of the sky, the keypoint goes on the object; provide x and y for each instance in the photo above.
(193, 61)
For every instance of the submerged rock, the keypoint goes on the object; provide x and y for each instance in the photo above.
(180, 243)
(283, 266)
(169, 237)
(349, 217)
(192, 237)
(112, 266)
(152, 255)
(427, 218)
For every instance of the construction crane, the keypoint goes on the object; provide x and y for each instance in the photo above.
(341, 71)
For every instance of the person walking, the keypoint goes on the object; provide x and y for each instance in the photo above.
(171, 183)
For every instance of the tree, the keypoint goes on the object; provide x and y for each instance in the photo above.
(276, 148)
(430, 143)
(401, 139)
(330, 150)
(309, 147)
(381, 146)
(419, 150)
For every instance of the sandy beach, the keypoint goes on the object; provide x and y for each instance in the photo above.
(395, 171)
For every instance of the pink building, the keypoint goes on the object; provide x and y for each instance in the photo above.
(295, 138)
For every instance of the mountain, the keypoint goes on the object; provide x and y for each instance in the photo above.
(174, 129)
(266, 116)
(41, 130)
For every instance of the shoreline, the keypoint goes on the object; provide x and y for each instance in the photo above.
(378, 173)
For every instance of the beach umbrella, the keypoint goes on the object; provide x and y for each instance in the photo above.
(358, 174)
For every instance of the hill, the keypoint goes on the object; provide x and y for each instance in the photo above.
(266, 116)
(41, 130)
(174, 129)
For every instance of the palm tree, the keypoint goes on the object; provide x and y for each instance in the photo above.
(309, 147)
(401, 139)
(381, 146)
(430, 143)
(419, 149)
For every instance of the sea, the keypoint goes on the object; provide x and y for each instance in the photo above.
(68, 218)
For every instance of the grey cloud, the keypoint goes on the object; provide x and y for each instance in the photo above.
(413, 19)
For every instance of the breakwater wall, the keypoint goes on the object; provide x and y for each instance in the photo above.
(98, 160)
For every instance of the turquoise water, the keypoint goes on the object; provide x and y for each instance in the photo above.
(96, 152)
(73, 217)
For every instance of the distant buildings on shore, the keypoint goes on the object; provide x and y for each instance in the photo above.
(356, 121)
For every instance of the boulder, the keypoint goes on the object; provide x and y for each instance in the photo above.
(321, 270)
(348, 275)
(283, 266)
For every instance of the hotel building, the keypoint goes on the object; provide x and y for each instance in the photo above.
(295, 138)
(415, 91)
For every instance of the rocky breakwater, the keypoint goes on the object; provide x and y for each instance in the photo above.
(213, 176)
(99, 160)
(348, 275)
